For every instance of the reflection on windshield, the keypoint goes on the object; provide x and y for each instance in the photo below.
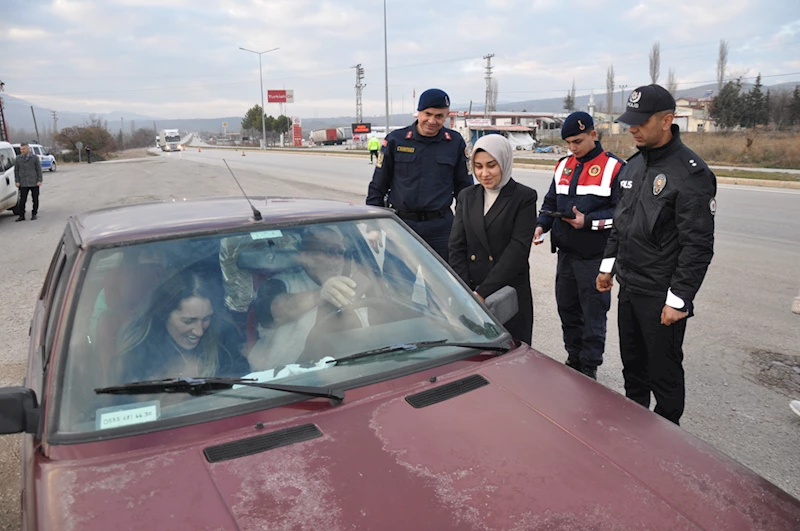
(256, 303)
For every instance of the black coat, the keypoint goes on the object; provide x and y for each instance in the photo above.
(492, 251)
(663, 234)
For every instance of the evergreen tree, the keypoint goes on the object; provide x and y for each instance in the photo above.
(794, 107)
(726, 109)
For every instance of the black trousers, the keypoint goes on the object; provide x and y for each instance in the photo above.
(373, 153)
(582, 309)
(652, 354)
(23, 198)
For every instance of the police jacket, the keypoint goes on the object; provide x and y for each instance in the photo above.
(589, 184)
(27, 170)
(419, 173)
(663, 235)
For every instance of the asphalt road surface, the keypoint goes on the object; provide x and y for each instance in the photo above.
(742, 349)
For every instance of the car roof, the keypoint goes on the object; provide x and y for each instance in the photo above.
(181, 217)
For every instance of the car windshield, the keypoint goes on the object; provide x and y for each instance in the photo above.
(272, 305)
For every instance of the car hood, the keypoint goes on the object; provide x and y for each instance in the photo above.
(538, 446)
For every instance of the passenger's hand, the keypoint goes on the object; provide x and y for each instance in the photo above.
(604, 282)
(38, 184)
(537, 236)
(579, 219)
(338, 291)
(375, 240)
(17, 184)
(670, 315)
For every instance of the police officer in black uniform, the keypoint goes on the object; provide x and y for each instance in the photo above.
(578, 211)
(660, 248)
(421, 168)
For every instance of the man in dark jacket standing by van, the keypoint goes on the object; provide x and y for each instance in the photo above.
(28, 177)
(659, 248)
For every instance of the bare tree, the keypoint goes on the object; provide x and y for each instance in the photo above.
(610, 90)
(722, 64)
(672, 82)
(655, 62)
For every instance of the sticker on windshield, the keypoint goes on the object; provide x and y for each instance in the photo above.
(264, 234)
(118, 416)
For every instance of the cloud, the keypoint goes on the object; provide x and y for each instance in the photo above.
(181, 58)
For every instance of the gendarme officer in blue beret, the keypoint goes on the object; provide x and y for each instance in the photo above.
(421, 168)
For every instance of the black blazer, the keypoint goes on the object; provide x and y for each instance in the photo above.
(492, 251)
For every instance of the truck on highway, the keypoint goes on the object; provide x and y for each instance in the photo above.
(169, 140)
(329, 137)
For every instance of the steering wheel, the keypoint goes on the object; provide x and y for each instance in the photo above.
(317, 335)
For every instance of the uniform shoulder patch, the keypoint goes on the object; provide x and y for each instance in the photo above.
(409, 135)
(385, 142)
(447, 135)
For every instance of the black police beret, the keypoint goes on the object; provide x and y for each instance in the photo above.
(644, 102)
(436, 98)
(576, 123)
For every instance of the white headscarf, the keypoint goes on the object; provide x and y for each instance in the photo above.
(499, 148)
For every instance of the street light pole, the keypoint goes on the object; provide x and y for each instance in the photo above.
(263, 110)
(386, 65)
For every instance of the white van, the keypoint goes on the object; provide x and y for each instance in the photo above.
(8, 189)
(48, 161)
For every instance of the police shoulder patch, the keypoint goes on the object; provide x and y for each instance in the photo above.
(385, 143)
(380, 159)
(447, 135)
(410, 134)
(712, 205)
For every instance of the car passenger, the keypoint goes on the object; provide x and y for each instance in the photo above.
(180, 333)
(289, 304)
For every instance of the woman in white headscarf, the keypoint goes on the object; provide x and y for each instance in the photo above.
(493, 229)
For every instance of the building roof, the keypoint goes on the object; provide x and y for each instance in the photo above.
(507, 128)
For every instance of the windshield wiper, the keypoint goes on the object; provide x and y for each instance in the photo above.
(199, 386)
(419, 345)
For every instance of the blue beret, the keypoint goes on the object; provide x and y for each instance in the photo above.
(576, 123)
(436, 98)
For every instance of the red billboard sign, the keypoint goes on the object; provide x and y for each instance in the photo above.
(362, 128)
(280, 96)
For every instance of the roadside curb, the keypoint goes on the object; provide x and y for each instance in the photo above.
(764, 183)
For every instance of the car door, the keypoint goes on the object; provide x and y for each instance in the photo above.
(8, 190)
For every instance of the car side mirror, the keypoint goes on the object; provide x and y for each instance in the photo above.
(503, 303)
(19, 412)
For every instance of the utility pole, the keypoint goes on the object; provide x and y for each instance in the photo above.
(359, 88)
(36, 127)
(55, 122)
(386, 65)
(486, 109)
(3, 128)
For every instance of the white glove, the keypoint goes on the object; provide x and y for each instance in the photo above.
(337, 291)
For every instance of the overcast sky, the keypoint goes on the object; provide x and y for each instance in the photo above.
(181, 58)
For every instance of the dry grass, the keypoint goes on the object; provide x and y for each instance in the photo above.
(756, 149)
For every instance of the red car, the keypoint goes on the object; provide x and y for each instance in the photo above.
(202, 365)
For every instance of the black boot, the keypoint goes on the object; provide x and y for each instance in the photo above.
(573, 363)
(20, 218)
(589, 371)
(33, 217)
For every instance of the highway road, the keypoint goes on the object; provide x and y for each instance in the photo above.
(742, 349)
